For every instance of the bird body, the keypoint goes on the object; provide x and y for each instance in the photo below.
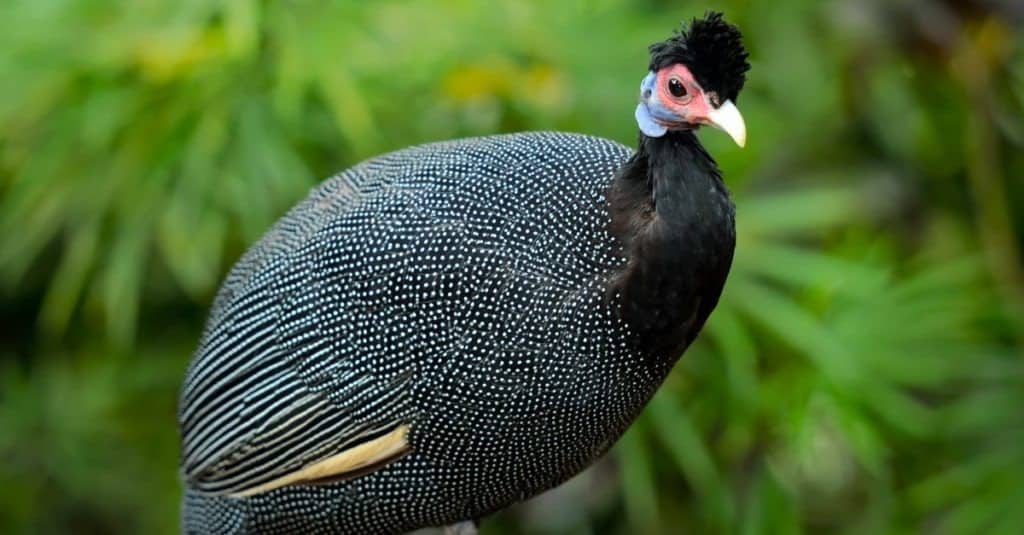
(442, 331)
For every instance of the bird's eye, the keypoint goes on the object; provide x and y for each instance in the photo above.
(676, 88)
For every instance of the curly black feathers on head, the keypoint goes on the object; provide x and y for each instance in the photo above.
(713, 51)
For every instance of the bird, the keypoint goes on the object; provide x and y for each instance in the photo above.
(442, 331)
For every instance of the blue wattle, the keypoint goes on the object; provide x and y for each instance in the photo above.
(647, 125)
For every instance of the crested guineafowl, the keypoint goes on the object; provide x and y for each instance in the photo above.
(439, 332)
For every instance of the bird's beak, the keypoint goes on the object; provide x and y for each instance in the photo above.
(727, 117)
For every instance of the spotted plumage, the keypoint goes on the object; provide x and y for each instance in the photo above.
(442, 331)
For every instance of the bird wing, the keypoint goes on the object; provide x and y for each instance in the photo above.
(281, 391)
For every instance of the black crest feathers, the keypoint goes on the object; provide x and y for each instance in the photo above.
(713, 51)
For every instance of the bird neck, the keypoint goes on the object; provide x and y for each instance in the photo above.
(672, 213)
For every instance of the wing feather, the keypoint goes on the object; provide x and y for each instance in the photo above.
(262, 403)
(351, 461)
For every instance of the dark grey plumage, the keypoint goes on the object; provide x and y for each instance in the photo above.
(513, 300)
(456, 286)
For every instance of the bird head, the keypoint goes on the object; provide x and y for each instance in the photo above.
(694, 79)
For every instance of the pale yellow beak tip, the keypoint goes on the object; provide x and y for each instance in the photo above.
(727, 117)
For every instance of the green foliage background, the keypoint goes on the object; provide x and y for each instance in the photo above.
(864, 372)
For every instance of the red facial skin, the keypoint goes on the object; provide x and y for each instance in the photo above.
(694, 106)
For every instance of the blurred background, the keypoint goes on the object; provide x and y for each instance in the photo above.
(864, 372)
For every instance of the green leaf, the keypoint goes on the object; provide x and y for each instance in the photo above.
(638, 485)
(683, 441)
(807, 210)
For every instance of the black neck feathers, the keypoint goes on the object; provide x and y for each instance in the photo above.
(672, 212)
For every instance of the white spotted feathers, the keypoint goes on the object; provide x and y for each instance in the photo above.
(458, 290)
